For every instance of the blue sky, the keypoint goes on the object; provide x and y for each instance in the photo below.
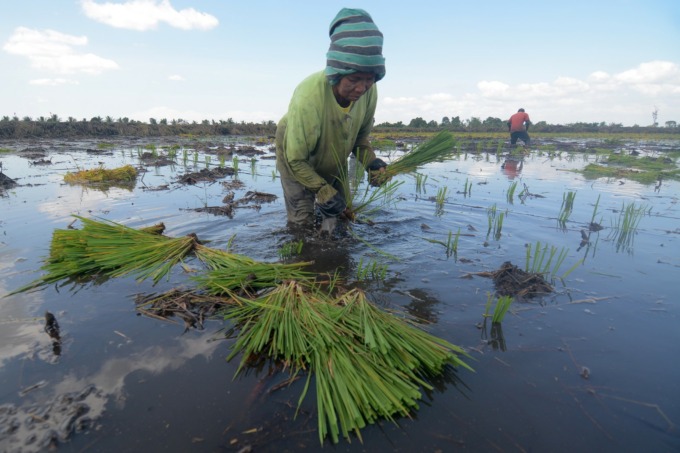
(592, 61)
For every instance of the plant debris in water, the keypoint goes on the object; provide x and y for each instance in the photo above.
(510, 280)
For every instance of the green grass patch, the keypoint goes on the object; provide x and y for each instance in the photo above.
(5, 150)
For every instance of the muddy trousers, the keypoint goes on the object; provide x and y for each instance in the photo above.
(300, 202)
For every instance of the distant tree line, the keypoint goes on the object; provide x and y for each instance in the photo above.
(491, 124)
(55, 127)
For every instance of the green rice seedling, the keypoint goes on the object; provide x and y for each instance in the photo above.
(361, 197)
(195, 158)
(104, 248)
(502, 306)
(539, 260)
(499, 147)
(451, 243)
(440, 199)
(253, 166)
(223, 160)
(459, 147)
(592, 217)
(624, 230)
(480, 146)
(495, 220)
(207, 161)
(566, 208)
(185, 157)
(420, 183)
(103, 145)
(510, 194)
(437, 149)
(274, 174)
(365, 363)
(498, 226)
(290, 249)
(234, 163)
(467, 188)
(371, 271)
(230, 272)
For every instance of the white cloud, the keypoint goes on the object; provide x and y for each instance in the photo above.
(619, 97)
(176, 78)
(54, 51)
(53, 82)
(145, 15)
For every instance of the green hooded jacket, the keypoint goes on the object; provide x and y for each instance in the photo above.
(315, 138)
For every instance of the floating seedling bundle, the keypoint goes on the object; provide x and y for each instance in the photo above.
(365, 363)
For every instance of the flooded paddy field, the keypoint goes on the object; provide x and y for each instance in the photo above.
(590, 365)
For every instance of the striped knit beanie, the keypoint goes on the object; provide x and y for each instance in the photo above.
(356, 46)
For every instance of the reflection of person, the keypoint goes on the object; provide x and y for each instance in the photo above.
(512, 167)
(330, 116)
(518, 125)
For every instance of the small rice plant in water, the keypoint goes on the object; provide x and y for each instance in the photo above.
(592, 217)
(440, 199)
(510, 195)
(185, 157)
(624, 230)
(420, 183)
(253, 166)
(566, 208)
(467, 188)
(501, 307)
(371, 270)
(223, 160)
(495, 220)
(195, 158)
(290, 249)
(451, 243)
(539, 260)
(207, 161)
(234, 163)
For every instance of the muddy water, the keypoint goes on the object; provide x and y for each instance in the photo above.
(590, 366)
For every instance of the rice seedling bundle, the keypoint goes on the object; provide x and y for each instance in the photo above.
(366, 364)
(438, 148)
(126, 173)
(229, 272)
(110, 249)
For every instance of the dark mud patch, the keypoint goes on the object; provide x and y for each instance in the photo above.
(230, 204)
(6, 183)
(206, 175)
(44, 426)
(155, 160)
(510, 280)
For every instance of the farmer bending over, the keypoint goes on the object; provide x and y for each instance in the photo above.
(518, 125)
(330, 116)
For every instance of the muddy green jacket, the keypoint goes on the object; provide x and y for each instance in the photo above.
(315, 138)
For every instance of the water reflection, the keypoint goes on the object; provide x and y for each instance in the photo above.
(512, 167)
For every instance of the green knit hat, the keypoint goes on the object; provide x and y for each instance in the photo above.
(356, 45)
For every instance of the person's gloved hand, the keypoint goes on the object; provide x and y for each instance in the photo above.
(331, 203)
(376, 172)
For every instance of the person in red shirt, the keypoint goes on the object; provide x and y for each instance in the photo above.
(518, 125)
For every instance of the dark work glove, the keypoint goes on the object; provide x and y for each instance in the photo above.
(376, 165)
(376, 177)
(333, 207)
(331, 203)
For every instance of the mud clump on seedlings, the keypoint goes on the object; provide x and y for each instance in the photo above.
(510, 280)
